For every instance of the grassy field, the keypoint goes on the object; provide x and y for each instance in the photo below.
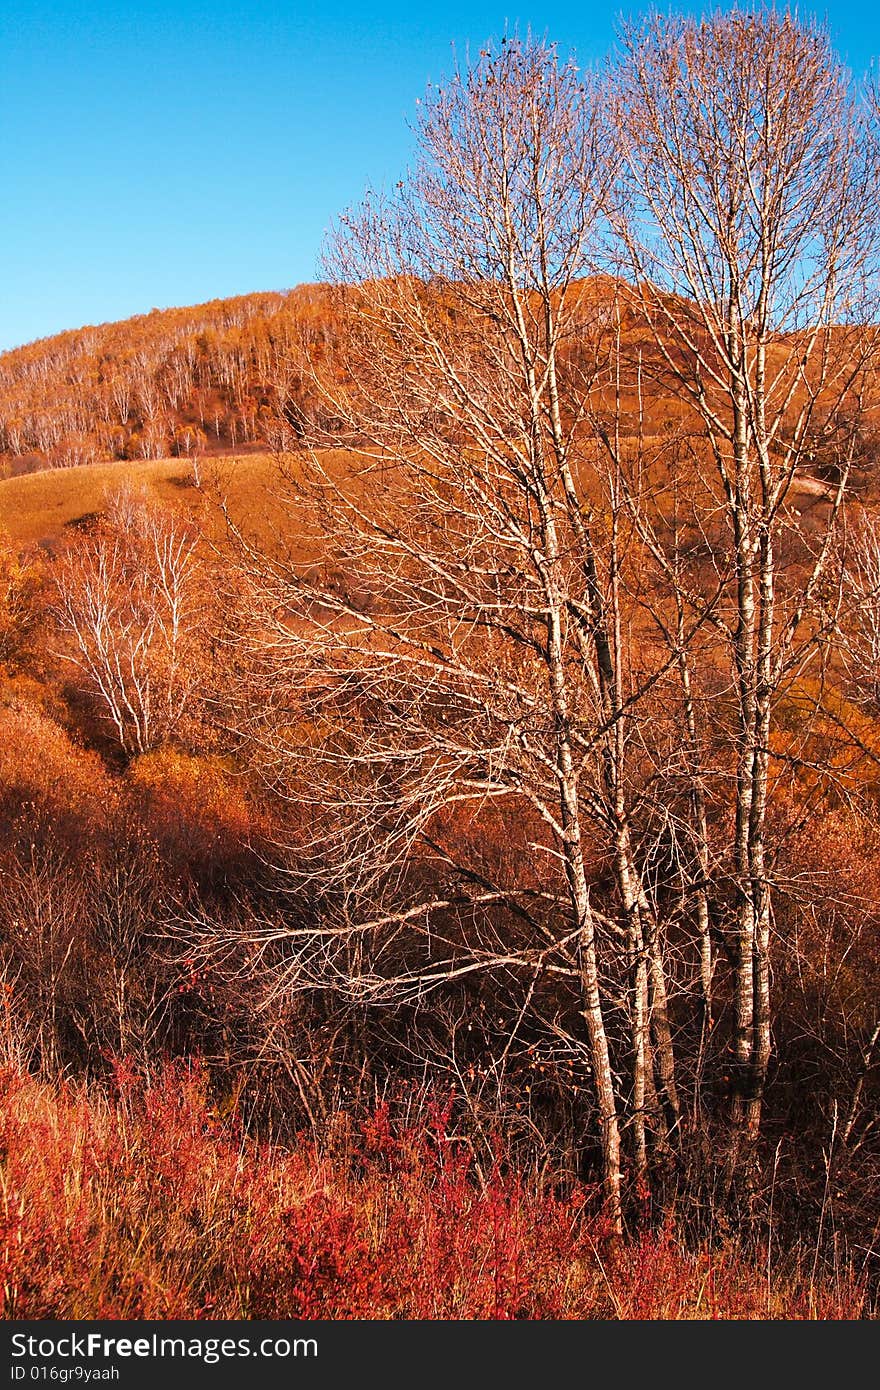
(37, 508)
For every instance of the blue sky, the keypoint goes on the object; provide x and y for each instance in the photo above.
(168, 153)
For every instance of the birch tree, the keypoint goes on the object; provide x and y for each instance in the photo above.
(602, 373)
(451, 649)
(744, 215)
(861, 580)
(128, 601)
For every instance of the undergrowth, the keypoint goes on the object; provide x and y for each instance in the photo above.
(143, 1202)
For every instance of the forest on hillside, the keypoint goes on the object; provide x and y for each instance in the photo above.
(175, 382)
(460, 897)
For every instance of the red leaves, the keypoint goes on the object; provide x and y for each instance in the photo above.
(152, 1207)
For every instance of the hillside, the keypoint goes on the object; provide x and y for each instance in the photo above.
(235, 377)
(212, 378)
(41, 508)
(440, 731)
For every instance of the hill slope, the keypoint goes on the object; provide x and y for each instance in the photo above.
(209, 378)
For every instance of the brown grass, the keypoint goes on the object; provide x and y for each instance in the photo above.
(147, 1204)
(38, 508)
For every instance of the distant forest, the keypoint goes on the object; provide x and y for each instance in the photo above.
(220, 376)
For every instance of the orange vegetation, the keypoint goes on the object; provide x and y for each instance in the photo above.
(149, 1204)
(179, 381)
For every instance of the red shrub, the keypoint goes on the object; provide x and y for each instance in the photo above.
(147, 1205)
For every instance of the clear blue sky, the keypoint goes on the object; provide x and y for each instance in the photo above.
(154, 154)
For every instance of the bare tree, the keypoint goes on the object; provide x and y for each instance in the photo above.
(458, 671)
(518, 681)
(744, 213)
(127, 597)
(42, 931)
(861, 630)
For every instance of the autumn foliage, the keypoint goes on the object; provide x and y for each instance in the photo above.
(218, 376)
(148, 1203)
(443, 883)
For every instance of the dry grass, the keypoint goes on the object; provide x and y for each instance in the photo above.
(37, 508)
(147, 1204)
